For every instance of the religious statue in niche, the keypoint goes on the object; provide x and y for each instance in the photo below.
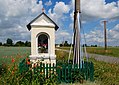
(42, 43)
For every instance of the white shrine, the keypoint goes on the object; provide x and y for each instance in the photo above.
(42, 39)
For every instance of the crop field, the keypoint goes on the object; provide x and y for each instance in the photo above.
(105, 73)
(111, 51)
(7, 53)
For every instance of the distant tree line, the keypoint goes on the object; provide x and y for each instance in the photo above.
(66, 44)
(9, 42)
(85, 45)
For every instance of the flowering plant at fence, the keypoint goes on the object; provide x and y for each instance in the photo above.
(24, 74)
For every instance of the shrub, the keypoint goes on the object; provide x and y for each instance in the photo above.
(3, 69)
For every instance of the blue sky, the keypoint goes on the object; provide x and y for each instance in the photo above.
(16, 14)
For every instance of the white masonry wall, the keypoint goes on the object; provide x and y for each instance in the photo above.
(35, 31)
(43, 25)
(34, 39)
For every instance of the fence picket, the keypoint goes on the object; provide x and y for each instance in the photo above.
(43, 69)
(53, 67)
(46, 70)
(91, 71)
(40, 67)
(50, 69)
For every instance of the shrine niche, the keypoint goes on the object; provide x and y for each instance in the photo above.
(43, 43)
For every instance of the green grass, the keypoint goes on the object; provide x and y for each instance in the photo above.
(65, 48)
(7, 53)
(111, 51)
(105, 73)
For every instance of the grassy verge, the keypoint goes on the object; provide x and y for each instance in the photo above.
(111, 51)
(107, 73)
(85, 83)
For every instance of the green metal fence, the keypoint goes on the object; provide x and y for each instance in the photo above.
(65, 72)
(71, 73)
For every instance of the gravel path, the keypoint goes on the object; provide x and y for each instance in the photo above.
(108, 59)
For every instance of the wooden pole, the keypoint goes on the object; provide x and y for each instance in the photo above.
(105, 35)
(77, 6)
(76, 49)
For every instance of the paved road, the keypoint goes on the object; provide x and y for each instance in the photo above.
(108, 59)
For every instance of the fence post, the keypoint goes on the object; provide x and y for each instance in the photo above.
(58, 72)
(70, 73)
(40, 67)
(50, 70)
(46, 70)
(65, 75)
(91, 72)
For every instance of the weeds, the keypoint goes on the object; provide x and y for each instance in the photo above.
(11, 75)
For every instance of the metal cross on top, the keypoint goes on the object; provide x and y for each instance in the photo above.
(43, 10)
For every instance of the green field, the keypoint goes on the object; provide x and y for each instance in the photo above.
(111, 51)
(7, 53)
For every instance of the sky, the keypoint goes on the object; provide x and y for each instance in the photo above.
(16, 14)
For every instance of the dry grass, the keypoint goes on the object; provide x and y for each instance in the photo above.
(85, 83)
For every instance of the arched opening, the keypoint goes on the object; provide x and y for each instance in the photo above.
(42, 43)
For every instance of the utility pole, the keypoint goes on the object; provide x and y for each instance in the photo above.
(63, 42)
(105, 34)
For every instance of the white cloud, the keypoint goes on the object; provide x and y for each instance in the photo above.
(72, 15)
(14, 8)
(95, 10)
(99, 9)
(36, 8)
(62, 35)
(97, 36)
(14, 16)
(114, 33)
(71, 26)
(58, 15)
(59, 9)
(49, 3)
